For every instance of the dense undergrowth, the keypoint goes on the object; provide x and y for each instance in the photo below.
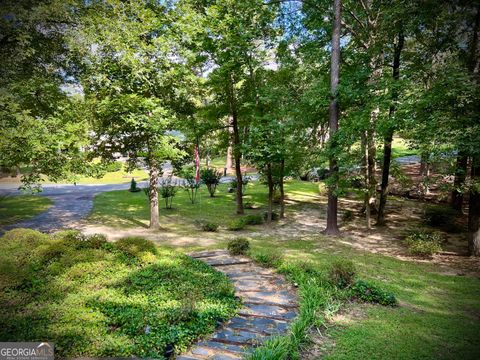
(94, 298)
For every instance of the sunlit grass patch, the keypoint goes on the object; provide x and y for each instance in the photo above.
(17, 208)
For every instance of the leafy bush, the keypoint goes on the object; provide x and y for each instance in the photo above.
(210, 226)
(134, 245)
(114, 166)
(347, 216)
(168, 190)
(275, 216)
(342, 273)
(238, 246)
(443, 218)
(245, 181)
(355, 182)
(190, 183)
(269, 259)
(371, 293)
(422, 243)
(253, 219)
(133, 186)
(236, 225)
(130, 308)
(211, 178)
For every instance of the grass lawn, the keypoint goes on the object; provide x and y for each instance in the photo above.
(125, 209)
(115, 177)
(17, 208)
(98, 299)
(438, 316)
(400, 148)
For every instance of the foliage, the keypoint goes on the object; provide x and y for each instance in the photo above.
(442, 217)
(371, 293)
(209, 226)
(272, 258)
(423, 243)
(252, 219)
(275, 216)
(133, 186)
(114, 166)
(133, 298)
(168, 190)
(211, 178)
(238, 246)
(347, 216)
(236, 225)
(190, 183)
(342, 273)
(245, 181)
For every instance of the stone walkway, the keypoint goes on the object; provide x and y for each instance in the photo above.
(269, 306)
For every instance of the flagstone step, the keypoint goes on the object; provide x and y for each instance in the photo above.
(269, 307)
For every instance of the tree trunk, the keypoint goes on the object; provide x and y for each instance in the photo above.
(332, 207)
(366, 179)
(387, 141)
(387, 155)
(425, 172)
(460, 175)
(270, 193)
(282, 191)
(237, 154)
(153, 194)
(229, 162)
(371, 165)
(474, 211)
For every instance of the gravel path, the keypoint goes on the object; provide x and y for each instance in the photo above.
(269, 307)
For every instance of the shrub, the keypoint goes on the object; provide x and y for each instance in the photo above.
(342, 273)
(236, 225)
(211, 178)
(371, 293)
(76, 240)
(275, 216)
(253, 219)
(210, 226)
(114, 166)
(190, 183)
(347, 216)
(442, 218)
(269, 259)
(134, 246)
(422, 243)
(168, 190)
(238, 246)
(133, 186)
(245, 181)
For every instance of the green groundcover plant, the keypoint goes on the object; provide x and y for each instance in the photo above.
(94, 298)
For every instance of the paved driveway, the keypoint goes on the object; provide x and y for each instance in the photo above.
(71, 203)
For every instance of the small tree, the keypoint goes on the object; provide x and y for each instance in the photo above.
(133, 186)
(168, 190)
(211, 178)
(189, 183)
